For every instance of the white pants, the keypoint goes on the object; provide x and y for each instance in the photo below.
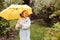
(24, 34)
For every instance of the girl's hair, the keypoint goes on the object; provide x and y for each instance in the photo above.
(23, 12)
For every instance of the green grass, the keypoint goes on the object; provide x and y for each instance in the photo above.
(37, 32)
(17, 37)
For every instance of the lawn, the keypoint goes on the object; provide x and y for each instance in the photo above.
(39, 32)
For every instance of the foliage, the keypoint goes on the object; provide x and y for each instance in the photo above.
(1, 5)
(44, 11)
(4, 26)
(57, 4)
(39, 4)
(53, 33)
(39, 32)
(21, 1)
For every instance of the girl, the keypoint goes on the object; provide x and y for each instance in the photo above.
(24, 24)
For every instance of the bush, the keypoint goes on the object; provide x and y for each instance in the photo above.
(4, 26)
(43, 11)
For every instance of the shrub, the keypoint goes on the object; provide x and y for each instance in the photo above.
(4, 26)
(43, 11)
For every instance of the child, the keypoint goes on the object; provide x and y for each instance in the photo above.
(24, 24)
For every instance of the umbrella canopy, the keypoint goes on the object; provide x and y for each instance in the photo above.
(13, 11)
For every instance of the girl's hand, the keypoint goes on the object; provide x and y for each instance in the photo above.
(19, 24)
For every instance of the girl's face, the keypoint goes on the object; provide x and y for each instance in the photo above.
(25, 14)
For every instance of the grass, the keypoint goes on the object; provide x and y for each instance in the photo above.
(37, 32)
(17, 37)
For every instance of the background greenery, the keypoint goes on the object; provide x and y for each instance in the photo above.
(47, 10)
(43, 33)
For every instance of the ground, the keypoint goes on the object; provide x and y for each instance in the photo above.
(39, 32)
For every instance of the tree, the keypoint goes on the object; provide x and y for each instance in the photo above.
(4, 24)
(44, 8)
(1, 5)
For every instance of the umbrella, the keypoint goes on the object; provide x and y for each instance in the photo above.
(13, 11)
